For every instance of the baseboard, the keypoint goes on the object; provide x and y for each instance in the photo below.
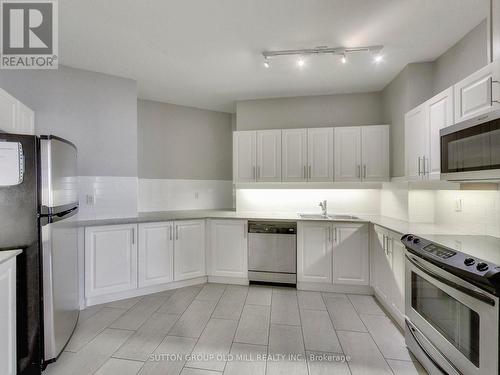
(228, 280)
(143, 291)
(390, 310)
(332, 288)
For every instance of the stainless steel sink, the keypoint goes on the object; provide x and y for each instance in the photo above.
(328, 217)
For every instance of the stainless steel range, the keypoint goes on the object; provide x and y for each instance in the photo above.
(451, 303)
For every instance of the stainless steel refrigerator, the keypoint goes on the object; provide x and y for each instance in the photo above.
(38, 204)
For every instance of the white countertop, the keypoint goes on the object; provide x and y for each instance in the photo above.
(8, 254)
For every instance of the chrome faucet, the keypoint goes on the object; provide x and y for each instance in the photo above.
(323, 208)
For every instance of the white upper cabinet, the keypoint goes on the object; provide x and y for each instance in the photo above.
(440, 115)
(15, 117)
(268, 155)
(244, 158)
(320, 154)
(351, 257)
(189, 249)
(110, 259)
(314, 252)
(362, 153)
(156, 253)
(348, 153)
(375, 153)
(228, 248)
(416, 141)
(294, 154)
(478, 93)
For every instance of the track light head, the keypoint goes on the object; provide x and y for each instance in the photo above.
(343, 59)
(301, 62)
(378, 58)
(267, 63)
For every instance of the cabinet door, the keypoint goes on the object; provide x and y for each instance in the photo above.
(294, 154)
(416, 138)
(8, 363)
(189, 249)
(375, 152)
(228, 248)
(398, 274)
(476, 94)
(25, 120)
(269, 155)
(347, 153)
(110, 259)
(156, 253)
(8, 112)
(440, 112)
(351, 258)
(382, 264)
(244, 156)
(320, 154)
(314, 252)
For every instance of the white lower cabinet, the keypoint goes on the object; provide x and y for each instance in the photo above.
(189, 249)
(228, 255)
(351, 255)
(8, 363)
(156, 253)
(333, 253)
(110, 259)
(314, 252)
(388, 271)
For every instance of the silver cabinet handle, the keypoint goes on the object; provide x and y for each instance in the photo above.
(171, 229)
(329, 234)
(309, 171)
(133, 236)
(335, 235)
(258, 172)
(305, 172)
(419, 173)
(364, 171)
(254, 176)
(358, 174)
(176, 232)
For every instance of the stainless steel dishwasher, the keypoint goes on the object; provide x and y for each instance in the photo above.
(272, 252)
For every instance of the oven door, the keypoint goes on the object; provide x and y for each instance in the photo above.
(452, 326)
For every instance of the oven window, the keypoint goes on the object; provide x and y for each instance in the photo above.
(472, 149)
(455, 321)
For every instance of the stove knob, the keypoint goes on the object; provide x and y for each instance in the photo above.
(482, 266)
(409, 238)
(416, 240)
(469, 261)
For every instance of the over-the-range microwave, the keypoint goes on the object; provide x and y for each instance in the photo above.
(470, 150)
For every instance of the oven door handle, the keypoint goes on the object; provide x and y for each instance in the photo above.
(470, 292)
(412, 330)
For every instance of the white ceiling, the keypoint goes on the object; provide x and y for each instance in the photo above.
(207, 53)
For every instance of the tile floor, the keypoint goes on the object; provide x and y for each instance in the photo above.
(264, 330)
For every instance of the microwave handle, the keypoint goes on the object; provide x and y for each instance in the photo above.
(470, 292)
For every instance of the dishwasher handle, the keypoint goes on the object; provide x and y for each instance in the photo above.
(272, 227)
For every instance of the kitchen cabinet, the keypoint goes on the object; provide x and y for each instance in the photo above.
(244, 156)
(440, 115)
(362, 153)
(388, 271)
(155, 253)
(294, 155)
(8, 362)
(314, 252)
(478, 93)
(320, 154)
(110, 259)
(416, 141)
(268, 167)
(228, 255)
(15, 117)
(351, 256)
(189, 249)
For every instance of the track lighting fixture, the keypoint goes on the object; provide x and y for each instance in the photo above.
(322, 50)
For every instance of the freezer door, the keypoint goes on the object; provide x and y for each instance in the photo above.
(58, 162)
(60, 283)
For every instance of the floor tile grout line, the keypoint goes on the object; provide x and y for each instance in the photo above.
(237, 325)
(303, 337)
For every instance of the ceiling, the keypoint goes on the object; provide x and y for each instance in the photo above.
(207, 53)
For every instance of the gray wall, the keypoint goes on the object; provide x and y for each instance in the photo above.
(420, 81)
(468, 55)
(412, 86)
(310, 111)
(97, 112)
(176, 142)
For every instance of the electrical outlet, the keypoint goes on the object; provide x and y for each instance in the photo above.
(458, 205)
